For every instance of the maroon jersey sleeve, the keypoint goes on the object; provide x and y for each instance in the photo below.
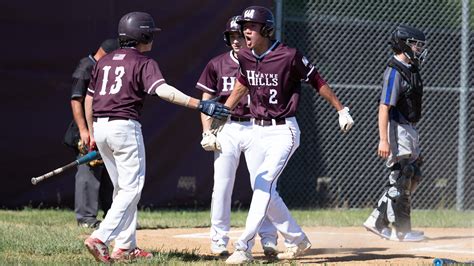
(218, 78)
(306, 71)
(242, 78)
(151, 76)
(208, 80)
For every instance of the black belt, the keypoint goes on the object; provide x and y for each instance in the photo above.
(111, 118)
(269, 122)
(240, 119)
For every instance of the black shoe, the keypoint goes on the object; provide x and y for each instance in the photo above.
(89, 224)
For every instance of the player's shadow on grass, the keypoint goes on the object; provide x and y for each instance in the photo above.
(356, 254)
(368, 257)
(448, 238)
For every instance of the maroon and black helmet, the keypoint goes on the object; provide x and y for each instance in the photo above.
(138, 26)
(231, 26)
(259, 14)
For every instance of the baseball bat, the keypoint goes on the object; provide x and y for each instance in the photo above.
(93, 155)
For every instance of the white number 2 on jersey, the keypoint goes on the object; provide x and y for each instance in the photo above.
(273, 94)
(114, 88)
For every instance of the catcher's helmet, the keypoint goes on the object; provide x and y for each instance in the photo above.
(231, 26)
(259, 14)
(138, 26)
(411, 42)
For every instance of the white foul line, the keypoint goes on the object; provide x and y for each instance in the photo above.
(443, 248)
(203, 235)
(206, 234)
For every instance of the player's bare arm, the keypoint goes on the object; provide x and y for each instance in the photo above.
(237, 93)
(205, 119)
(345, 120)
(328, 94)
(384, 146)
(78, 115)
(89, 119)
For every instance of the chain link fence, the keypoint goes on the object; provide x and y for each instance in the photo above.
(348, 42)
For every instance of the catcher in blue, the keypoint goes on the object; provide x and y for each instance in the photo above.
(218, 79)
(399, 111)
(120, 82)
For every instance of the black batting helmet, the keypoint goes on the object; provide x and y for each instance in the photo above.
(259, 14)
(231, 26)
(402, 40)
(137, 26)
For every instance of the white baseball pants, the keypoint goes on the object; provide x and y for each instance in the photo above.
(120, 143)
(235, 138)
(274, 145)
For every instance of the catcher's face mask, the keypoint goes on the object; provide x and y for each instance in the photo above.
(419, 49)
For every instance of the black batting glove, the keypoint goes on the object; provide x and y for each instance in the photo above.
(214, 109)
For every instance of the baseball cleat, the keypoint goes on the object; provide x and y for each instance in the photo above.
(219, 249)
(412, 236)
(270, 249)
(98, 249)
(89, 224)
(369, 224)
(295, 251)
(384, 233)
(239, 257)
(126, 254)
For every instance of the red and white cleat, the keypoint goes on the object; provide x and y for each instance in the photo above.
(135, 253)
(98, 249)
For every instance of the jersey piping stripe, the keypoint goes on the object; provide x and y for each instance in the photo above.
(260, 57)
(391, 81)
(205, 87)
(309, 73)
(90, 90)
(233, 57)
(152, 85)
(92, 59)
(274, 182)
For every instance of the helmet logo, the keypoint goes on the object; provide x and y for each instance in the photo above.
(249, 13)
(233, 24)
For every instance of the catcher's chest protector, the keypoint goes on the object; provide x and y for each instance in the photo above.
(410, 101)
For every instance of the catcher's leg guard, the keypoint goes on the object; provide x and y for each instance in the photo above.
(400, 195)
(418, 174)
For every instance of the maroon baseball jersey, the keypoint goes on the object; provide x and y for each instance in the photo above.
(274, 80)
(218, 78)
(120, 81)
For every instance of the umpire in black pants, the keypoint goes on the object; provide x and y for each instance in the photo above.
(93, 186)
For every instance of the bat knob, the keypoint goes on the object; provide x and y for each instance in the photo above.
(34, 181)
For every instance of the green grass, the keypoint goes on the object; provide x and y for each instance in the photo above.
(38, 237)
(330, 217)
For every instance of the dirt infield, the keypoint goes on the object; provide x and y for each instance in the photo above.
(336, 246)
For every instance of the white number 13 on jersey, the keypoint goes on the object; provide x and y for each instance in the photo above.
(117, 85)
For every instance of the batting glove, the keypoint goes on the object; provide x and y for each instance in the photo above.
(345, 120)
(214, 109)
(209, 142)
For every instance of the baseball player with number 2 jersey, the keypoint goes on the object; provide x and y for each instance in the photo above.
(218, 79)
(271, 73)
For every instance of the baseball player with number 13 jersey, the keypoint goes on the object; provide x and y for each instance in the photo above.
(120, 82)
